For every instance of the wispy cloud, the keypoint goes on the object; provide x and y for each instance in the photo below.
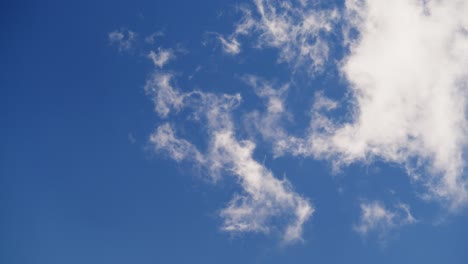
(263, 197)
(150, 39)
(230, 46)
(161, 57)
(124, 39)
(164, 139)
(270, 123)
(376, 218)
(298, 32)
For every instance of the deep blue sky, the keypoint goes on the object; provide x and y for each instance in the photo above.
(78, 183)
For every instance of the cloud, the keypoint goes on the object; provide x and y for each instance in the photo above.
(164, 96)
(150, 39)
(375, 217)
(404, 64)
(408, 80)
(270, 123)
(124, 39)
(161, 58)
(407, 90)
(298, 32)
(230, 46)
(178, 149)
(263, 197)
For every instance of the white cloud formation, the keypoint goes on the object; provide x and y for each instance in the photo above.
(161, 57)
(178, 149)
(296, 31)
(407, 74)
(264, 197)
(164, 96)
(408, 86)
(230, 46)
(124, 39)
(408, 78)
(375, 217)
(270, 124)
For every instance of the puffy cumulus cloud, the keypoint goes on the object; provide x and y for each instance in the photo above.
(161, 57)
(407, 73)
(299, 32)
(124, 39)
(264, 198)
(375, 217)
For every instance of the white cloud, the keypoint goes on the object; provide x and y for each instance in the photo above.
(150, 39)
(165, 98)
(230, 46)
(408, 86)
(178, 149)
(408, 77)
(270, 123)
(375, 217)
(161, 58)
(297, 32)
(124, 39)
(264, 197)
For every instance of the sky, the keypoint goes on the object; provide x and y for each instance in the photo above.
(254, 131)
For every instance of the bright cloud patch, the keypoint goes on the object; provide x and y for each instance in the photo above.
(296, 30)
(407, 74)
(375, 217)
(161, 57)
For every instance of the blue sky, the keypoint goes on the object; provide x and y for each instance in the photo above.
(233, 131)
